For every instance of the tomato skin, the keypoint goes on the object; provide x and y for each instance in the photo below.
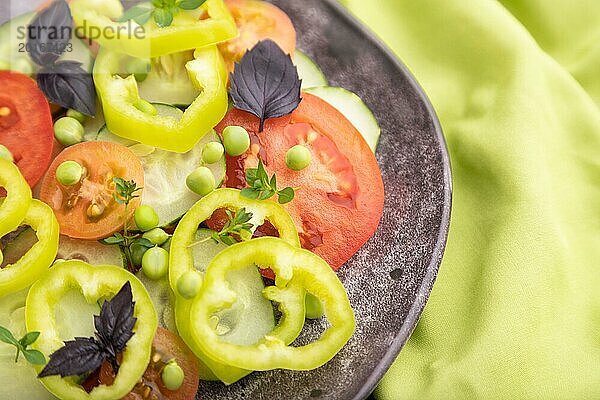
(257, 20)
(171, 347)
(341, 196)
(102, 161)
(27, 131)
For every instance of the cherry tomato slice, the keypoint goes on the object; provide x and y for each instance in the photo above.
(257, 20)
(340, 198)
(26, 125)
(88, 210)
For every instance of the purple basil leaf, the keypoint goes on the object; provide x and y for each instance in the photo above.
(67, 84)
(114, 325)
(49, 33)
(77, 357)
(265, 83)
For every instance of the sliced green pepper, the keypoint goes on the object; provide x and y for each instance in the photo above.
(182, 261)
(17, 209)
(120, 100)
(95, 283)
(297, 271)
(15, 205)
(32, 265)
(189, 30)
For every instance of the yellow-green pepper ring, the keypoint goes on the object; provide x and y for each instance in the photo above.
(95, 283)
(36, 261)
(298, 271)
(14, 207)
(181, 261)
(187, 31)
(119, 97)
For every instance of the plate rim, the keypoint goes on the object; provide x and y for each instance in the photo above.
(426, 286)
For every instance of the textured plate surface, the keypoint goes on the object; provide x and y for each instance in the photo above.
(390, 279)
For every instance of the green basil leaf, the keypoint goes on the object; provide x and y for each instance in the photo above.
(7, 337)
(250, 193)
(34, 357)
(140, 14)
(29, 338)
(163, 18)
(144, 242)
(112, 240)
(191, 4)
(286, 195)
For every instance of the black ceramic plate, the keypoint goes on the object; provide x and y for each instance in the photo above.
(390, 278)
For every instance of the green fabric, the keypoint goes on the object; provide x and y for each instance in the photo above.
(515, 311)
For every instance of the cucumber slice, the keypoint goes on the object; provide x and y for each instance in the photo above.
(168, 81)
(354, 109)
(92, 252)
(19, 380)
(12, 44)
(91, 126)
(163, 299)
(309, 71)
(165, 173)
(251, 317)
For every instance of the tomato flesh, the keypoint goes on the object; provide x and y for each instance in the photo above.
(88, 210)
(257, 20)
(340, 198)
(26, 125)
(167, 346)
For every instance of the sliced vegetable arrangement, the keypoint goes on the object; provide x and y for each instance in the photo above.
(198, 195)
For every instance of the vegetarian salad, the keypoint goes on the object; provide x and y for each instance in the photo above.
(176, 194)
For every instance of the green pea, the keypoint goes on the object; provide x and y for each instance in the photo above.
(298, 157)
(68, 131)
(139, 67)
(189, 284)
(156, 236)
(155, 263)
(314, 307)
(6, 154)
(236, 140)
(201, 181)
(145, 218)
(145, 107)
(212, 152)
(172, 376)
(69, 173)
(23, 66)
(137, 253)
(77, 115)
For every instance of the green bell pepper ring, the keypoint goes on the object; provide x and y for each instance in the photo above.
(119, 98)
(95, 283)
(181, 261)
(95, 20)
(294, 268)
(15, 205)
(36, 261)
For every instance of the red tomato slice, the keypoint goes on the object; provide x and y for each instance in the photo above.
(340, 200)
(257, 20)
(72, 205)
(26, 125)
